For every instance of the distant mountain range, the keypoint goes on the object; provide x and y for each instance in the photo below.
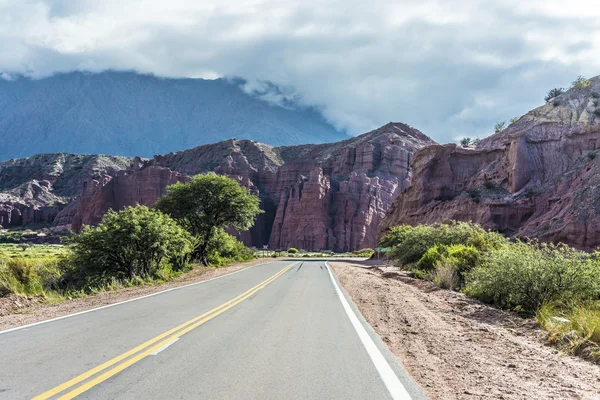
(125, 113)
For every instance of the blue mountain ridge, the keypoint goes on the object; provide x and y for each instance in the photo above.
(126, 113)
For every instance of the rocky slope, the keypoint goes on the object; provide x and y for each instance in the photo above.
(540, 177)
(131, 114)
(40, 189)
(316, 197)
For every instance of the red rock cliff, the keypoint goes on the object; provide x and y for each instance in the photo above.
(315, 197)
(540, 177)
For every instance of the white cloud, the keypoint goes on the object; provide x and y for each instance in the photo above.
(450, 68)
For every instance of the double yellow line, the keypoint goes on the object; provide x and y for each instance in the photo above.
(147, 348)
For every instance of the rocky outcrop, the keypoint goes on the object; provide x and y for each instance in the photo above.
(315, 197)
(40, 189)
(135, 186)
(540, 177)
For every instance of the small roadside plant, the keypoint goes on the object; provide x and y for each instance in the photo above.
(292, 250)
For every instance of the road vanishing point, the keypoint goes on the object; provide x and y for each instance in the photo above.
(278, 330)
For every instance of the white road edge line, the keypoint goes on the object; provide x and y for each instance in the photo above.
(165, 346)
(387, 374)
(127, 301)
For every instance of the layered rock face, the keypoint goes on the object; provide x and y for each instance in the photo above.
(315, 197)
(540, 177)
(40, 189)
(135, 186)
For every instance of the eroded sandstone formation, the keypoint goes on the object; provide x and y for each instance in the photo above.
(315, 197)
(540, 177)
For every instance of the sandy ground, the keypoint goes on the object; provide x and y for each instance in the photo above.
(458, 348)
(17, 311)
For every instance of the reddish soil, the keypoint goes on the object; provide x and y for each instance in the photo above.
(459, 348)
(17, 310)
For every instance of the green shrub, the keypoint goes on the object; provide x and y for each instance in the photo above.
(225, 249)
(432, 256)
(523, 276)
(363, 253)
(592, 155)
(580, 83)
(409, 243)
(445, 276)
(292, 250)
(499, 126)
(134, 242)
(573, 327)
(30, 276)
(554, 93)
(461, 258)
(466, 141)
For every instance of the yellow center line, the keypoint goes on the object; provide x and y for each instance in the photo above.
(167, 336)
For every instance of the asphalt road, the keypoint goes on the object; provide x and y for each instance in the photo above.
(281, 330)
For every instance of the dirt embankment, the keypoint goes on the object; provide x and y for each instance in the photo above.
(458, 348)
(18, 311)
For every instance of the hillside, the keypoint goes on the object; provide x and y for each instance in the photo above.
(124, 113)
(539, 177)
(326, 197)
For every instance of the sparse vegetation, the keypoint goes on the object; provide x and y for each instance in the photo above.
(513, 120)
(292, 250)
(466, 142)
(592, 155)
(580, 83)
(554, 93)
(499, 126)
(557, 284)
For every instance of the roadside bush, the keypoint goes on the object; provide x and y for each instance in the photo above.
(134, 242)
(292, 250)
(445, 275)
(575, 328)
(367, 252)
(30, 277)
(523, 276)
(409, 243)
(226, 249)
(459, 257)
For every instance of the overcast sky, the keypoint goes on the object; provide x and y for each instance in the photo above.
(449, 68)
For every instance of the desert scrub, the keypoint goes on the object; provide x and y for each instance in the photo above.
(524, 276)
(292, 250)
(575, 328)
(38, 276)
(410, 243)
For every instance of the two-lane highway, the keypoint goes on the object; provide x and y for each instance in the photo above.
(281, 330)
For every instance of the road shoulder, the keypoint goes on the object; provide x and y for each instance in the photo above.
(17, 311)
(457, 348)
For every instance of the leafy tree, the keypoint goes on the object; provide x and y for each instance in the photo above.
(134, 242)
(554, 93)
(580, 83)
(207, 203)
(466, 142)
(499, 126)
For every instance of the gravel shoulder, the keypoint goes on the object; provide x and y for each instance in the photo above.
(17, 311)
(459, 348)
